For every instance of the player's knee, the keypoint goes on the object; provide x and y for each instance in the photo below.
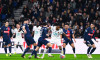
(34, 44)
(64, 46)
(49, 44)
(5, 46)
(94, 47)
(9, 44)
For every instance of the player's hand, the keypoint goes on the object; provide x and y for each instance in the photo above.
(75, 41)
(84, 41)
(69, 38)
(47, 34)
(11, 37)
(97, 41)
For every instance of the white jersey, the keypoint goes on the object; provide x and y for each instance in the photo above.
(56, 33)
(18, 34)
(18, 38)
(36, 32)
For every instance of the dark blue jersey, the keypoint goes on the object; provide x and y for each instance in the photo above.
(89, 33)
(27, 30)
(68, 33)
(44, 31)
(6, 31)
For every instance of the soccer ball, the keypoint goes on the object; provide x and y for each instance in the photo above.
(62, 56)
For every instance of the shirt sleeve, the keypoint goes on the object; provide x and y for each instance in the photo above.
(34, 28)
(1, 31)
(72, 32)
(85, 34)
(94, 35)
(61, 31)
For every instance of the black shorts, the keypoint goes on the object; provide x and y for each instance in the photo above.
(29, 40)
(6, 41)
(41, 41)
(68, 41)
(89, 42)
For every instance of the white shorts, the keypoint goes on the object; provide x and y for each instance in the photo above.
(19, 41)
(56, 41)
(36, 39)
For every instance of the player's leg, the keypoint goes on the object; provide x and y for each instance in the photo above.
(40, 51)
(59, 45)
(89, 47)
(9, 45)
(50, 49)
(15, 48)
(37, 48)
(5, 49)
(34, 52)
(15, 45)
(35, 45)
(64, 45)
(94, 48)
(45, 50)
(73, 47)
(26, 50)
(21, 44)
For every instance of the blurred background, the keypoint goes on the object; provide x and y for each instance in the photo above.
(78, 13)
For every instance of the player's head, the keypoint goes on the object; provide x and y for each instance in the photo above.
(6, 23)
(92, 25)
(57, 26)
(44, 24)
(66, 25)
(25, 21)
(17, 26)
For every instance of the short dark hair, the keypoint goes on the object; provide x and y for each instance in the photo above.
(25, 19)
(44, 23)
(56, 24)
(6, 21)
(93, 23)
(66, 24)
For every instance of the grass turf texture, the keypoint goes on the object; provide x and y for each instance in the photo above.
(56, 57)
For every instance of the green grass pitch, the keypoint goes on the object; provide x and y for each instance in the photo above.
(56, 57)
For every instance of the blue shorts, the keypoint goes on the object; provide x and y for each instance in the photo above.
(6, 41)
(42, 41)
(89, 42)
(68, 41)
(29, 40)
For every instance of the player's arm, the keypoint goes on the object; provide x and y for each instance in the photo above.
(73, 37)
(24, 29)
(61, 36)
(33, 32)
(11, 34)
(85, 34)
(94, 37)
(1, 33)
(66, 36)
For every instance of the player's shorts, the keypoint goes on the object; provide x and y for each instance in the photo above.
(29, 40)
(42, 41)
(36, 39)
(89, 42)
(19, 41)
(56, 41)
(68, 41)
(6, 41)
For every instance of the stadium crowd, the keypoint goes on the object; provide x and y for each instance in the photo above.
(7, 7)
(78, 13)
